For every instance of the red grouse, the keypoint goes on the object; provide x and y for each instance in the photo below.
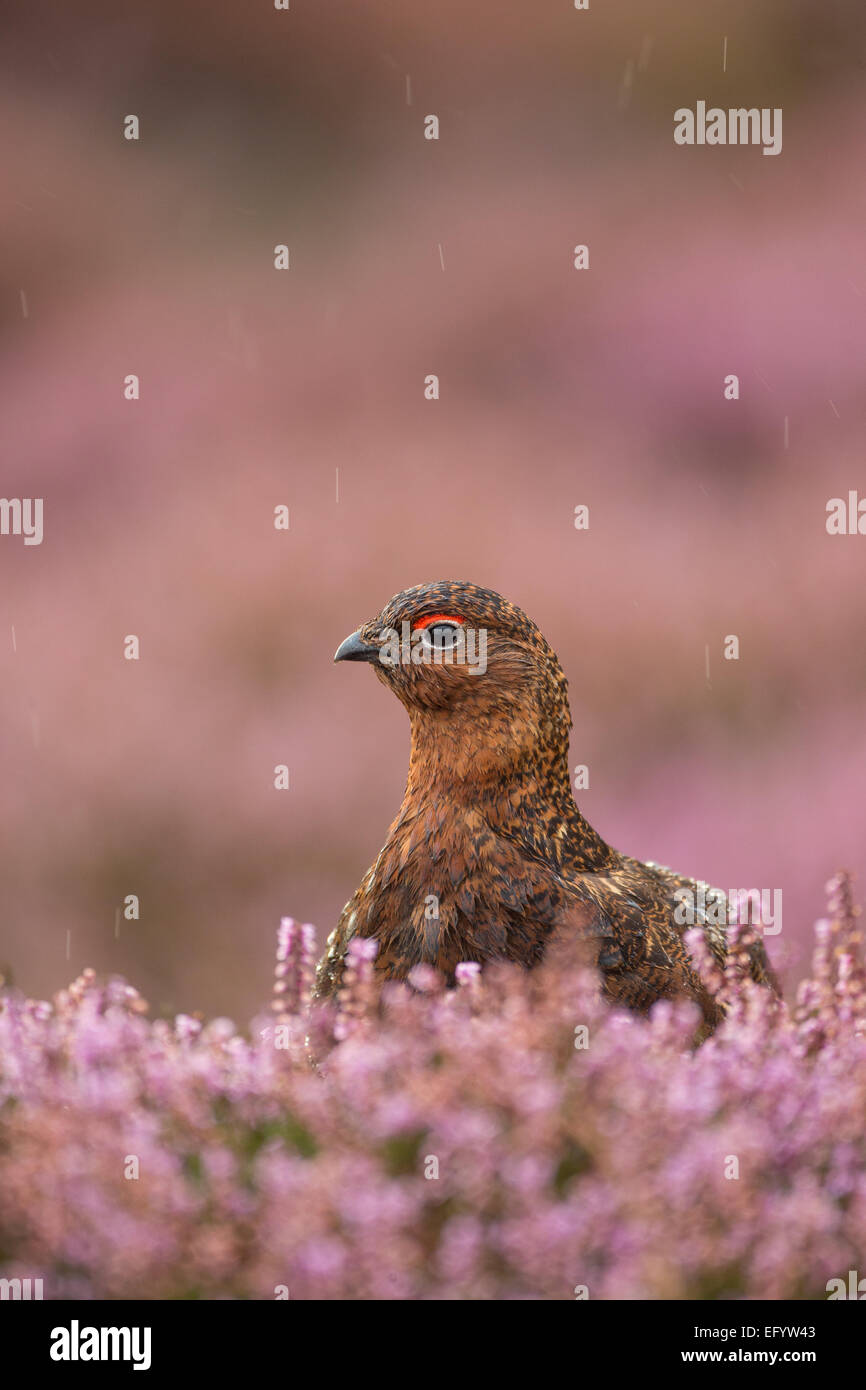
(489, 857)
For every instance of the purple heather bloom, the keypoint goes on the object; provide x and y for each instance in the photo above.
(440, 1144)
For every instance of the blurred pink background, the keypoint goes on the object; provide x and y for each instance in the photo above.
(558, 387)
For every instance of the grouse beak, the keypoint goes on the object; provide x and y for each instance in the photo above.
(356, 649)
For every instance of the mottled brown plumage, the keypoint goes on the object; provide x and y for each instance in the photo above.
(489, 835)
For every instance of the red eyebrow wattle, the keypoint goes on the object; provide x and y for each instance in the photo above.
(437, 618)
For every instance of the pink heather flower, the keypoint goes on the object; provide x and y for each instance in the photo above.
(363, 948)
(295, 968)
(425, 979)
(437, 1144)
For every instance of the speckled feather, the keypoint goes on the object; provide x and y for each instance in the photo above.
(490, 832)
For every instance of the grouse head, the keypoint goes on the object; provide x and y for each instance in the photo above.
(484, 690)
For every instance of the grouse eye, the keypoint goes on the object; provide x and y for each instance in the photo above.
(439, 631)
(442, 636)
